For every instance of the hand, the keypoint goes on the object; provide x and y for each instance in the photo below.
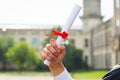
(55, 55)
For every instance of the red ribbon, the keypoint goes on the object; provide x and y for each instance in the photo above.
(63, 34)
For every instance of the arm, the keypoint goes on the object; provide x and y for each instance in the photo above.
(55, 54)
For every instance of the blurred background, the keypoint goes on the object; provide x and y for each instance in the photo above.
(94, 41)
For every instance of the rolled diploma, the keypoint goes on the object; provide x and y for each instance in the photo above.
(67, 26)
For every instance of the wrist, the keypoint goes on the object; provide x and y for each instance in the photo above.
(57, 69)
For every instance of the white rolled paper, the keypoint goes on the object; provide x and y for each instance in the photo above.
(67, 26)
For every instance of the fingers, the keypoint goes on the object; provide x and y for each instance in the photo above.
(55, 46)
(62, 54)
(49, 53)
(44, 56)
(62, 49)
(53, 52)
(51, 49)
(53, 43)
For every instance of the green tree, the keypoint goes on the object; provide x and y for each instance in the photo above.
(46, 41)
(74, 58)
(5, 43)
(23, 55)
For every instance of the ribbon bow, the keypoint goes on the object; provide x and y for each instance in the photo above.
(63, 34)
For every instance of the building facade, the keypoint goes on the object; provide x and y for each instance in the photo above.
(100, 37)
(37, 36)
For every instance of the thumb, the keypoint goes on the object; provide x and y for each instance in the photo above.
(63, 50)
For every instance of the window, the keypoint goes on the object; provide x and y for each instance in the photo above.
(108, 60)
(117, 3)
(118, 22)
(35, 42)
(86, 42)
(72, 41)
(22, 39)
(108, 37)
(95, 42)
(86, 59)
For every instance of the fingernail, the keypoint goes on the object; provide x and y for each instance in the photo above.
(58, 51)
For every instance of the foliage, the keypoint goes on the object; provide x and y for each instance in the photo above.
(46, 41)
(5, 43)
(74, 58)
(23, 55)
(41, 66)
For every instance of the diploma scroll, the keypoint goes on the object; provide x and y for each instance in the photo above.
(66, 27)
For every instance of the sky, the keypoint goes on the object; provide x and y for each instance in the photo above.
(44, 12)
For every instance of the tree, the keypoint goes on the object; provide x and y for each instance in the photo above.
(74, 58)
(23, 55)
(46, 41)
(5, 43)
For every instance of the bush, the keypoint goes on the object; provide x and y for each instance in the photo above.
(41, 66)
(74, 58)
(23, 55)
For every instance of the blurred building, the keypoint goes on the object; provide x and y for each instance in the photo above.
(116, 39)
(36, 36)
(100, 37)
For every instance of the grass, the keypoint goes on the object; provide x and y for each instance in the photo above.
(89, 74)
(81, 74)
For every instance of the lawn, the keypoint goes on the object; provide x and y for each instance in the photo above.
(89, 74)
(81, 74)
